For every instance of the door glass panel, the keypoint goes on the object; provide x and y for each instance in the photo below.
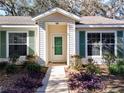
(58, 45)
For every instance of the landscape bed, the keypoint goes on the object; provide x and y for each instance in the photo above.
(21, 78)
(109, 84)
(94, 78)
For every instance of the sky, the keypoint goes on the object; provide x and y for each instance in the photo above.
(2, 12)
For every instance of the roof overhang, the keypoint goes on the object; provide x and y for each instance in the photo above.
(100, 26)
(18, 26)
(58, 10)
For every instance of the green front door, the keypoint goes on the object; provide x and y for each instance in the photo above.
(58, 45)
(58, 48)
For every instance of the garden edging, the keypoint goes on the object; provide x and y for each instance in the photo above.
(44, 81)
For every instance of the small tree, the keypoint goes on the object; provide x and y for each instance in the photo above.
(92, 68)
(76, 62)
(109, 58)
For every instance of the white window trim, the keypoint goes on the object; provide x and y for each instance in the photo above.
(7, 41)
(115, 48)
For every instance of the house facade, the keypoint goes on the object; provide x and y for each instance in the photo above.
(56, 35)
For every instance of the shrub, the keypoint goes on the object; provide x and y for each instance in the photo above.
(117, 68)
(44, 69)
(14, 58)
(92, 68)
(3, 65)
(11, 68)
(84, 81)
(120, 65)
(26, 63)
(76, 62)
(113, 69)
(76, 67)
(121, 69)
(33, 67)
(31, 58)
(109, 58)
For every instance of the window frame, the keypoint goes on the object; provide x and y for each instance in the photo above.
(86, 42)
(7, 39)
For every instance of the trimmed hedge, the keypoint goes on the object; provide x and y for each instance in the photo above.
(33, 67)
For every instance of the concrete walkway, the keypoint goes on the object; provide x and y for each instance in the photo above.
(56, 83)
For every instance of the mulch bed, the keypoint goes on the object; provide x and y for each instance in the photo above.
(7, 81)
(113, 84)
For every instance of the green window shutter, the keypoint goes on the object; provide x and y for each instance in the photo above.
(82, 43)
(31, 42)
(3, 44)
(120, 46)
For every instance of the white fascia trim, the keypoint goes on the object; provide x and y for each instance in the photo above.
(18, 26)
(75, 17)
(68, 14)
(93, 26)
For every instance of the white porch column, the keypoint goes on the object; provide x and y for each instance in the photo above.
(42, 41)
(71, 41)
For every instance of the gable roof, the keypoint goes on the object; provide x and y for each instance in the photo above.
(61, 11)
(99, 20)
(16, 20)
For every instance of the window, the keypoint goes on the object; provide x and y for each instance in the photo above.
(93, 44)
(17, 44)
(108, 43)
(100, 43)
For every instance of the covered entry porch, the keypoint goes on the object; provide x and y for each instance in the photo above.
(56, 42)
(56, 35)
